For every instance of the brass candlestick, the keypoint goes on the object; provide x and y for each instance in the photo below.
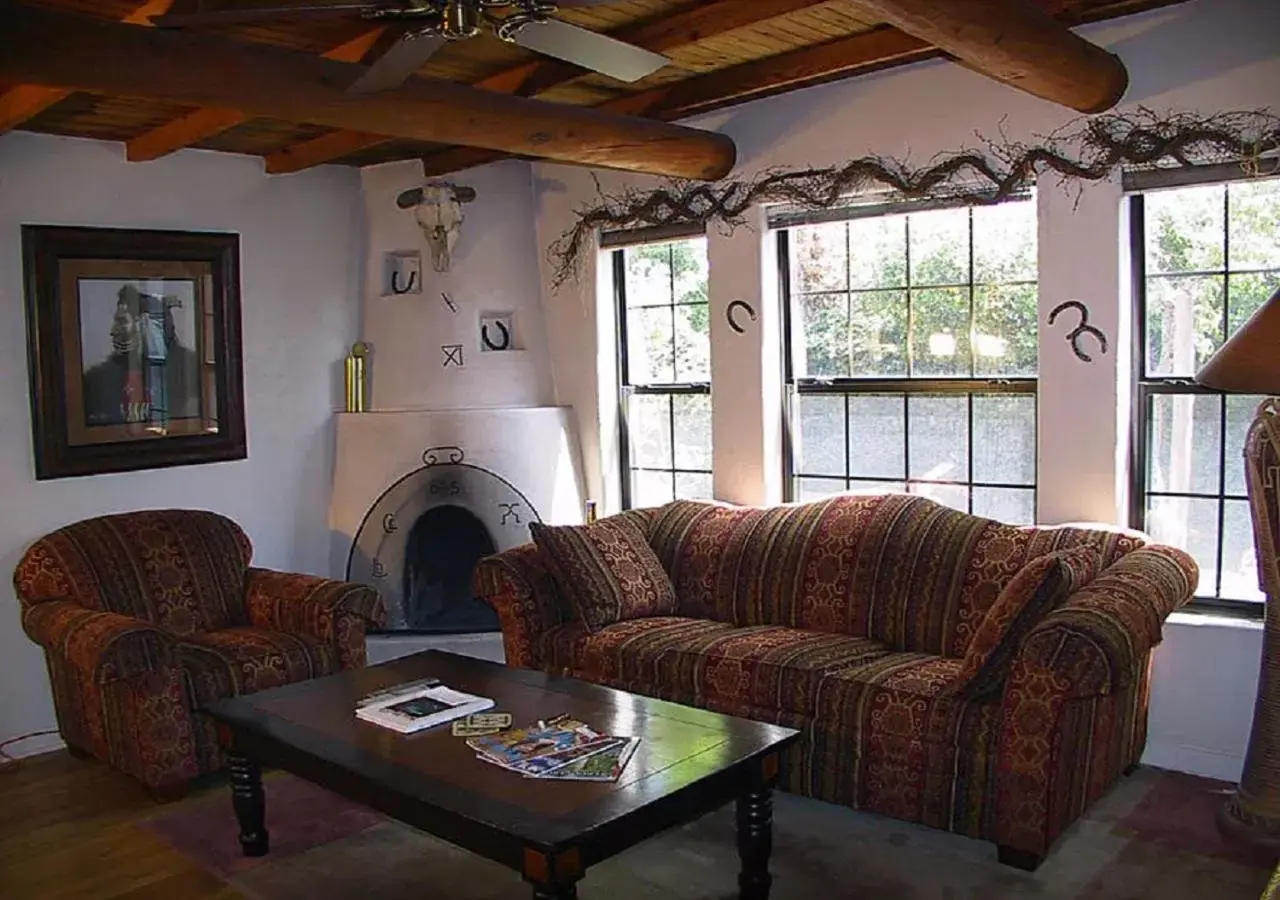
(590, 511)
(355, 364)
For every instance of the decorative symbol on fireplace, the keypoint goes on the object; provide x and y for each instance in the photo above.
(448, 301)
(448, 488)
(504, 335)
(389, 524)
(452, 355)
(510, 510)
(377, 569)
(431, 456)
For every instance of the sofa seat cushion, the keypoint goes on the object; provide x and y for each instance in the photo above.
(238, 661)
(748, 671)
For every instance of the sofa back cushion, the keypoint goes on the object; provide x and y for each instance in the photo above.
(182, 570)
(899, 568)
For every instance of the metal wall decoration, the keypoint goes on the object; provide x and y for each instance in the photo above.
(743, 305)
(435, 456)
(448, 301)
(403, 272)
(452, 355)
(496, 331)
(1088, 149)
(1080, 330)
(510, 511)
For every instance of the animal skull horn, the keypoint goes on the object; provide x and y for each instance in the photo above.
(438, 208)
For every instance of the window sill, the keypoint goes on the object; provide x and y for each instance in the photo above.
(1214, 619)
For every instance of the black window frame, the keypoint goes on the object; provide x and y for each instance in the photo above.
(907, 386)
(1145, 388)
(627, 390)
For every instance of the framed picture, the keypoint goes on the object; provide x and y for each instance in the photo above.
(133, 344)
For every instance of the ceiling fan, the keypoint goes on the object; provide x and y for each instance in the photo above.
(427, 25)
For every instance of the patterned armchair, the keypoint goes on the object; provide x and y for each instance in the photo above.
(147, 617)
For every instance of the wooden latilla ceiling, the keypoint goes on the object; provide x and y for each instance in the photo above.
(722, 52)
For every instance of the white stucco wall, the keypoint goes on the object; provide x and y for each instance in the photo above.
(300, 239)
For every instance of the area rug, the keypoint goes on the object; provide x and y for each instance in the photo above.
(1152, 837)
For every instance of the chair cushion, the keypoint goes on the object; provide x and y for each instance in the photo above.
(606, 570)
(1039, 587)
(238, 661)
(753, 671)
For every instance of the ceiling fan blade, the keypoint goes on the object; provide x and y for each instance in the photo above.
(255, 14)
(406, 56)
(598, 52)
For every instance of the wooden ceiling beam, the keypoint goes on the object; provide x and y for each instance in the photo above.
(1015, 42)
(73, 51)
(204, 123)
(26, 101)
(677, 29)
(839, 58)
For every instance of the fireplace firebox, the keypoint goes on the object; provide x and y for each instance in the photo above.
(440, 557)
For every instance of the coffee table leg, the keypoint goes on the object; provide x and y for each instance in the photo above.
(249, 803)
(755, 843)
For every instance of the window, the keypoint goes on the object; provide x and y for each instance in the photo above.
(912, 356)
(1204, 259)
(664, 371)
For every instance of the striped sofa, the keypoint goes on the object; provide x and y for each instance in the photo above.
(857, 619)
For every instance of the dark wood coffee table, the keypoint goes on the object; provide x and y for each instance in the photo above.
(688, 763)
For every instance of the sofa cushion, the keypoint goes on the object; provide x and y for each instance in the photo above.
(1037, 589)
(606, 570)
(238, 661)
(749, 671)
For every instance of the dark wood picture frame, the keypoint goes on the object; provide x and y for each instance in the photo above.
(92, 417)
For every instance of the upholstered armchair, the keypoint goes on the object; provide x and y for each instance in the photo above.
(147, 617)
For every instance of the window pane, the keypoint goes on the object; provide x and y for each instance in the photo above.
(877, 336)
(650, 357)
(649, 428)
(940, 334)
(1240, 414)
(689, 271)
(877, 487)
(648, 274)
(650, 489)
(693, 431)
(1239, 559)
(1184, 443)
(1006, 320)
(954, 495)
(1184, 323)
(1004, 439)
(693, 486)
(1192, 524)
(1014, 506)
(1254, 215)
(823, 347)
(819, 447)
(938, 430)
(940, 247)
(819, 261)
(1246, 293)
(878, 252)
(1185, 229)
(877, 436)
(808, 489)
(1004, 242)
(693, 343)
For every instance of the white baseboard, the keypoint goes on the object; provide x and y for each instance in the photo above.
(1195, 761)
(45, 743)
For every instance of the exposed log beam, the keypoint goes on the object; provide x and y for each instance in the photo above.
(678, 29)
(807, 66)
(67, 50)
(204, 123)
(1015, 42)
(26, 101)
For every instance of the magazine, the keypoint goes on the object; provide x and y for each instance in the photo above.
(604, 766)
(550, 736)
(536, 766)
(416, 708)
(560, 745)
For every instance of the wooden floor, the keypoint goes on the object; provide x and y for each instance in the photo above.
(67, 831)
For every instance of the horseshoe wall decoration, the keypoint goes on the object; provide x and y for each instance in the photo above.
(504, 340)
(733, 323)
(1083, 328)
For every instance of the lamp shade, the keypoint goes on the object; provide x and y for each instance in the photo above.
(1249, 363)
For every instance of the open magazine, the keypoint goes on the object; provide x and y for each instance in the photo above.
(563, 748)
(419, 705)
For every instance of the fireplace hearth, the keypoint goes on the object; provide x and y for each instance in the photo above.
(441, 552)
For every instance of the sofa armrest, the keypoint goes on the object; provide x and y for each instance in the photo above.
(326, 609)
(1098, 640)
(519, 586)
(102, 646)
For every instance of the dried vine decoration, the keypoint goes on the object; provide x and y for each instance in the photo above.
(1089, 149)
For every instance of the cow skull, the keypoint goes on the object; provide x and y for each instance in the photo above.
(438, 208)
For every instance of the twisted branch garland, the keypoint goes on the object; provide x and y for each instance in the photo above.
(1091, 151)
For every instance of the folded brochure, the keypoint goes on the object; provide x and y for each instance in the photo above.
(550, 747)
(424, 707)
